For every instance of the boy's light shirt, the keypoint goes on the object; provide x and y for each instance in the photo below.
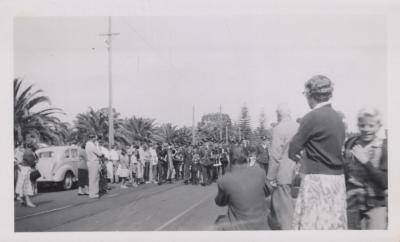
(114, 155)
(154, 156)
(105, 152)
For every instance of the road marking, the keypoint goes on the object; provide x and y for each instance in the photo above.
(87, 202)
(44, 212)
(182, 213)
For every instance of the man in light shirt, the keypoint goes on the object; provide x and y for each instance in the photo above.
(154, 163)
(93, 153)
(281, 169)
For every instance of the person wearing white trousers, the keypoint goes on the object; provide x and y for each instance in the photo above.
(93, 153)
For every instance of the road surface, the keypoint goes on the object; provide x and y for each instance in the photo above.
(149, 207)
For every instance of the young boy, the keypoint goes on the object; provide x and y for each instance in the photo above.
(366, 174)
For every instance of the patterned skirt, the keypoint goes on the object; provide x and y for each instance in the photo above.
(321, 203)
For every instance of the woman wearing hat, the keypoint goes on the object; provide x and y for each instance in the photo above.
(321, 203)
(83, 174)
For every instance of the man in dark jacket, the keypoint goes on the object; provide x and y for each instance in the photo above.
(187, 159)
(263, 154)
(243, 190)
(206, 165)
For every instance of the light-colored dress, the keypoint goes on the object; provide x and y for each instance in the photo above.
(124, 171)
(25, 187)
(321, 203)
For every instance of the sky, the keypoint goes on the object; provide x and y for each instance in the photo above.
(163, 65)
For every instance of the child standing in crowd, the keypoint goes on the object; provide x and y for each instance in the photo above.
(133, 167)
(124, 168)
(366, 174)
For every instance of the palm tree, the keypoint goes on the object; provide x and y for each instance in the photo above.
(43, 123)
(96, 122)
(184, 136)
(139, 129)
(166, 133)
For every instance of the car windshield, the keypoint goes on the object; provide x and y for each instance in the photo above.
(46, 154)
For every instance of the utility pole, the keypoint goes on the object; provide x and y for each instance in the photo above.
(193, 129)
(226, 135)
(240, 134)
(220, 122)
(110, 110)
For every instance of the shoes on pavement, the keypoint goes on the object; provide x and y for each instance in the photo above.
(123, 186)
(95, 196)
(31, 205)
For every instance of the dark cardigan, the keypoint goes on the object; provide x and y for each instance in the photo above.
(321, 134)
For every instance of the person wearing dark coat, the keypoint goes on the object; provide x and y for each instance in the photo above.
(262, 154)
(188, 160)
(366, 174)
(243, 191)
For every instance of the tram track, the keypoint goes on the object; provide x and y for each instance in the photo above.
(119, 199)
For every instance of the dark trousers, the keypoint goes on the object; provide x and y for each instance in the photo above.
(186, 171)
(146, 174)
(264, 166)
(215, 172)
(206, 171)
(224, 168)
(162, 171)
(194, 171)
(176, 168)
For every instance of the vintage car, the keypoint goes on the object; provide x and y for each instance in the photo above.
(58, 165)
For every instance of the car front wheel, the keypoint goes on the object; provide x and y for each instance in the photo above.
(68, 181)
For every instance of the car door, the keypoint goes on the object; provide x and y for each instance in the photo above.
(75, 161)
(46, 164)
(65, 162)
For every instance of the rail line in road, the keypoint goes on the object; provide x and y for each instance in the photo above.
(183, 213)
(99, 200)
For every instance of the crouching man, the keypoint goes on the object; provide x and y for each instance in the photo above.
(243, 191)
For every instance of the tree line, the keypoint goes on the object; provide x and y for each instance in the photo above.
(49, 129)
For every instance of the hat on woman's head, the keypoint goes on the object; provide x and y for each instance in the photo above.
(319, 84)
(320, 87)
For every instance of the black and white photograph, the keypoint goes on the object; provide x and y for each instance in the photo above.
(215, 123)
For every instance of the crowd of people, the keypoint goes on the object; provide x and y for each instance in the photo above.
(313, 175)
(147, 162)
